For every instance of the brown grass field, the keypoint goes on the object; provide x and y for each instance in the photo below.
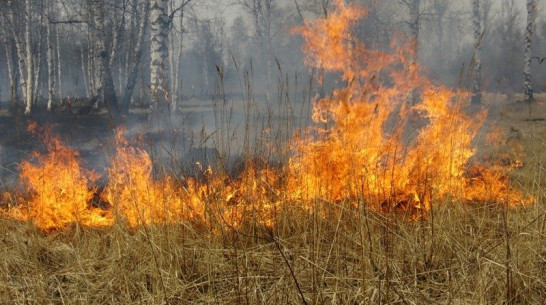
(481, 253)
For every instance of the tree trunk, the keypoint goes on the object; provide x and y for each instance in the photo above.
(117, 35)
(171, 42)
(15, 20)
(21, 57)
(106, 94)
(11, 64)
(159, 54)
(133, 75)
(50, 63)
(59, 70)
(527, 84)
(37, 59)
(84, 71)
(177, 93)
(29, 64)
(477, 61)
(91, 63)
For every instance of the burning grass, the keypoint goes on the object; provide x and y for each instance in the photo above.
(389, 140)
(318, 228)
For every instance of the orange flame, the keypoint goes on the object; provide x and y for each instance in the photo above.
(137, 198)
(59, 189)
(370, 143)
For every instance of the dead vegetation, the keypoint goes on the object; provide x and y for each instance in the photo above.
(461, 254)
(306, 244)
(482, 253)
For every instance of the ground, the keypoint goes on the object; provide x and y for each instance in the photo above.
(482, 253)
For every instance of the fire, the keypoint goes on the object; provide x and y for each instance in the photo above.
(59, 189)
(370, 144)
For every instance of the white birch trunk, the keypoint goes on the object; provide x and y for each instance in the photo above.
(171, 43)
(96, 28)
(59, 70)
(531, 17)
(159, 54)
(12, 73)
(133, 74)
(84, 71)
(132, 37)
(50, 62)
(90, 63)
(105, 86)
(19, 49)
(21, 57)
(117, 36)
(37, 61)
(177, 91)
(29, 64)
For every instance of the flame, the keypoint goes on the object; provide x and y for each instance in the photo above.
(137, 198)
(59, 189)
(369, 144)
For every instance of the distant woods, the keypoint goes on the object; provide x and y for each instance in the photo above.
(118, 54)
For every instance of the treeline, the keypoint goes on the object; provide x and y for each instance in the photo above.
(116, 53)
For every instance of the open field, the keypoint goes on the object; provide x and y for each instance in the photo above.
(327, 253)
(390, 188)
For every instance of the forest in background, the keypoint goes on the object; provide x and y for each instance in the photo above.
(120, 53)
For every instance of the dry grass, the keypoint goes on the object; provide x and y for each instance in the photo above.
(458, 254)
(463, 254)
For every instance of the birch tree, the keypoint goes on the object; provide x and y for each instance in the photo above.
(159, 53)
(531, 17)
(50, 62)
(16, 23)
(177, 32)
(11, 63)
(29, 64)
(137, 55)
(38, 54)
(105, 92)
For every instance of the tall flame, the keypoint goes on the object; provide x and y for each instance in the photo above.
(370, 142)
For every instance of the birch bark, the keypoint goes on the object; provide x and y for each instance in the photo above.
(59, 70)
(105, 85)
(531, 17)
(50, 63)
(135, 65)
(11, 63)
(29, 64)
(159, 54)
